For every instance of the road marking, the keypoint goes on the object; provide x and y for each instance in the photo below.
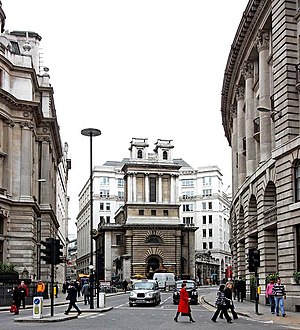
(121, 305)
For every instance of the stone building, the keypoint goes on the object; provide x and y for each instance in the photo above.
(260, 112)
(147, 234)
(30, 155)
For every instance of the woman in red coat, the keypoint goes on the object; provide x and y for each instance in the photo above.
(184, 306)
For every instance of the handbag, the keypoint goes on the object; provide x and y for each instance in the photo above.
(13, 308)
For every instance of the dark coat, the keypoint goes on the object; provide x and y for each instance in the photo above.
(183, 306)
(72, 293)
(16, 297)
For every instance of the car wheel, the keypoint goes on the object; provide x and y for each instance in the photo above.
(131, 304)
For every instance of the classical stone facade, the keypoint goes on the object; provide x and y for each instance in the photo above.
(260, 112)
(147, 234)
(30, 155)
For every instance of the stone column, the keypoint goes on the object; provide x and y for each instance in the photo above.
(134, 187)
(262, 43)
(240, 135)
(26, 162)
(159, 188)
(247, 72)
(8, 146)
(147, 187)
(234, 150)
(129, 187)
(45, 169)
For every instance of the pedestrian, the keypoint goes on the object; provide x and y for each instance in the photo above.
(270, 296)
(221, 305)
(241, 289)
(86, 293)
(184, 304)
(24, 293)
(72, 297)
(16, 299)
(77, 287)
(228, 300)
(279, 294)
(40, 288)
(125, 285)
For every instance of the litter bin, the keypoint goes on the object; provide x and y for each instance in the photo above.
(102, 299)
(37, 312)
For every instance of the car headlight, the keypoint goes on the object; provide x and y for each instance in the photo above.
(150, 294)
(132, 294)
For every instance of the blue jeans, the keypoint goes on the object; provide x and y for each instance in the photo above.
(279, 303)
(272, 303)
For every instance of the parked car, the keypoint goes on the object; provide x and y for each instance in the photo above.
(191, 288)
(145, 292)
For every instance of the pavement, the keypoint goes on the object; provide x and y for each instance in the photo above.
(59, 317)
(248, 309)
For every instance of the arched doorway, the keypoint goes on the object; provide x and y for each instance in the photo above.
(153, 264)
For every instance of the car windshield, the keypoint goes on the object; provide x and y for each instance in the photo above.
(189, 285)
(143, 286)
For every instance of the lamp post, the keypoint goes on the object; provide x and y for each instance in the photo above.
(91, 132)
(39, 230)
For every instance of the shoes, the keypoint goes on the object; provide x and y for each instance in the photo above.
(214, 320)
(284, 315)
(192, 320)
(66, 313)
(272, 312)
(175, 319)
(277, 314)
(79, 312)
(229, 321)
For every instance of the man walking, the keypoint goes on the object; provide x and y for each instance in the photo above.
(279, 294)
(23, 292)
(86, 292)
(72, 297)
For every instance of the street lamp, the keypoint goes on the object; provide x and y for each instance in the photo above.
(91, 132)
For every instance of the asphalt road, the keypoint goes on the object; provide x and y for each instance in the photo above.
(136, 318)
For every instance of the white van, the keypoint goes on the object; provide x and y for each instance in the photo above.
(165, 280)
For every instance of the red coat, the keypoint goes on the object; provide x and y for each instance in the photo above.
(183, 306)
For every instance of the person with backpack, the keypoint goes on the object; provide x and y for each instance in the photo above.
(221, 305)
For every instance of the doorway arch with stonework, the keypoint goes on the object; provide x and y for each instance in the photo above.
(153, 263)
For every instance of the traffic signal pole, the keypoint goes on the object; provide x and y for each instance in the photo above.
(51, 288)
(256, 291)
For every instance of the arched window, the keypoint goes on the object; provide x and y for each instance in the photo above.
(153, 239)
(297, 181)
(139, 154)
(165, 155)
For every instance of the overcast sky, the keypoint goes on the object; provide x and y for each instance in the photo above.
(151, 69)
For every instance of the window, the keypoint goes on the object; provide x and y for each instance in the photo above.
(187, 194)
(107, 206)
(204, 232)
(206, 180)
(108, 219)
(187, 183)
(210, 245)
(204, 219)
(102, 220)
(188, 207)
(203, 205)
(210, 205)
(297, 181)
(204, 245)
(165, 155)
(207, 192)
(104, 180)
(210, 218)
(298, 248)
(15, 47)
(1, 225)
(210, 232)
(153, 239)
(120, 183)
(165, 213)
(153, 212)
(120, 194)
(118, 239)
(152, 187)
(141, 212)
(188, 220)
(140, 154)
(101, 206)
(104, 193)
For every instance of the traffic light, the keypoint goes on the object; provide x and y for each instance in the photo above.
(57, 259)
(48, 250)
(254, 260)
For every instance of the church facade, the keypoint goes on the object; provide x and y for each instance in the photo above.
(148, 234)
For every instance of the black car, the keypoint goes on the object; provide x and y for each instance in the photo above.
(191, 288)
